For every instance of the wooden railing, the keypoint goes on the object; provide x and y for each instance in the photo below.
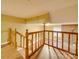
(21, 39)
(33, 41)
(65, 36)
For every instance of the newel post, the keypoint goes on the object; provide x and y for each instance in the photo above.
(9, 38)
(26, 47)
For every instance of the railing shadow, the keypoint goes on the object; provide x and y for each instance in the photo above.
(56, 53)
(49, 53)
(68, 55)
(38, 52)
(62, 54)
(52, 51)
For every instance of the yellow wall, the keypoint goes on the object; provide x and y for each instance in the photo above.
(18, 23)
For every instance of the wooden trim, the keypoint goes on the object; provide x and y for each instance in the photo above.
(69, 25)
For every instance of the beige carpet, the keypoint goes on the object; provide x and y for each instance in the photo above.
(9, 52)
(45, 52)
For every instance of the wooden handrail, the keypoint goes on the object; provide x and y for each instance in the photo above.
(19, 33)
(34, 32)
(61, 31)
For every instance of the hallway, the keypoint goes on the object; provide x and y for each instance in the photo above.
(50, 53)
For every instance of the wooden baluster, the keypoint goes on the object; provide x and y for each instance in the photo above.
(62, 40)
(35, 41)
(38, 39)
(77, 44)
(32, 43)
(57, 40)
(48, 38)
(44, 35)
(42, 39)
(69, 42)
(15, 41)
(23, 41)
(52, 38)
(26, 49)
(20, 40)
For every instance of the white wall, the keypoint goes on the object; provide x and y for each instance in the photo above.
(65, 15)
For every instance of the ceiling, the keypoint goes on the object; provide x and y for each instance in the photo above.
(30, 8)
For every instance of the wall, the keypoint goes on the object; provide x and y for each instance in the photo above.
(14, 22)
(70, 28)
(65, 15)
(62, 27)
(53, 27)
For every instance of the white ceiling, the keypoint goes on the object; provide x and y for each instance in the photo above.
(28, 8)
